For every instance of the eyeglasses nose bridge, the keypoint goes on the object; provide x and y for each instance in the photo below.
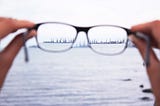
(85, 30)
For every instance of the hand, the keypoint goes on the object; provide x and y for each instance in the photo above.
(7, 26)
(152, 29)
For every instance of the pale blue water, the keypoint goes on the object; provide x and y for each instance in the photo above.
(78, 77)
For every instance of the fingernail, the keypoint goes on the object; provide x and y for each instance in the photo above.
(32, 33)
(131, 37)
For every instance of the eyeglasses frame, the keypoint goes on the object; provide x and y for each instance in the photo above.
(86, 30)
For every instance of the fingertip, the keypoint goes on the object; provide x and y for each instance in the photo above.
(144, 27)
(31, 34)
(133, 28)
(138, 27)
(133, 39)
(23, 24)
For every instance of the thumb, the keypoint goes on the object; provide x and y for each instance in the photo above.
(15, 45)
(153, 68)
(141, 45)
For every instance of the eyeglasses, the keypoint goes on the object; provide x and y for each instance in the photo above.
(102, 39)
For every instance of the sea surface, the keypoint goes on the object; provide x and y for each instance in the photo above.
(78, 77)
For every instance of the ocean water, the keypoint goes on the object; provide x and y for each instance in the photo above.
(78, 77)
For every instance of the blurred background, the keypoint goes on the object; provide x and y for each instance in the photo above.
(78, 77)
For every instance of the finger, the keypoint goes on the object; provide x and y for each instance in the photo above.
(141, 45)
(13, 48)
(2, 18)
(153, 68)
(145, 28)
(150, 28)
(9, 25)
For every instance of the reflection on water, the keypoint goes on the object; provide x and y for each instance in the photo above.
(78, 77)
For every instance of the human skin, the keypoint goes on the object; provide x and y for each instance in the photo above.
(7, 56)
(151, 29)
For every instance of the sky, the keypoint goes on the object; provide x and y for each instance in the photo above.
(83, 12)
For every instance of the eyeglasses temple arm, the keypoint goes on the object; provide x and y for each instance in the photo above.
(147, 39)
(25, 47)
